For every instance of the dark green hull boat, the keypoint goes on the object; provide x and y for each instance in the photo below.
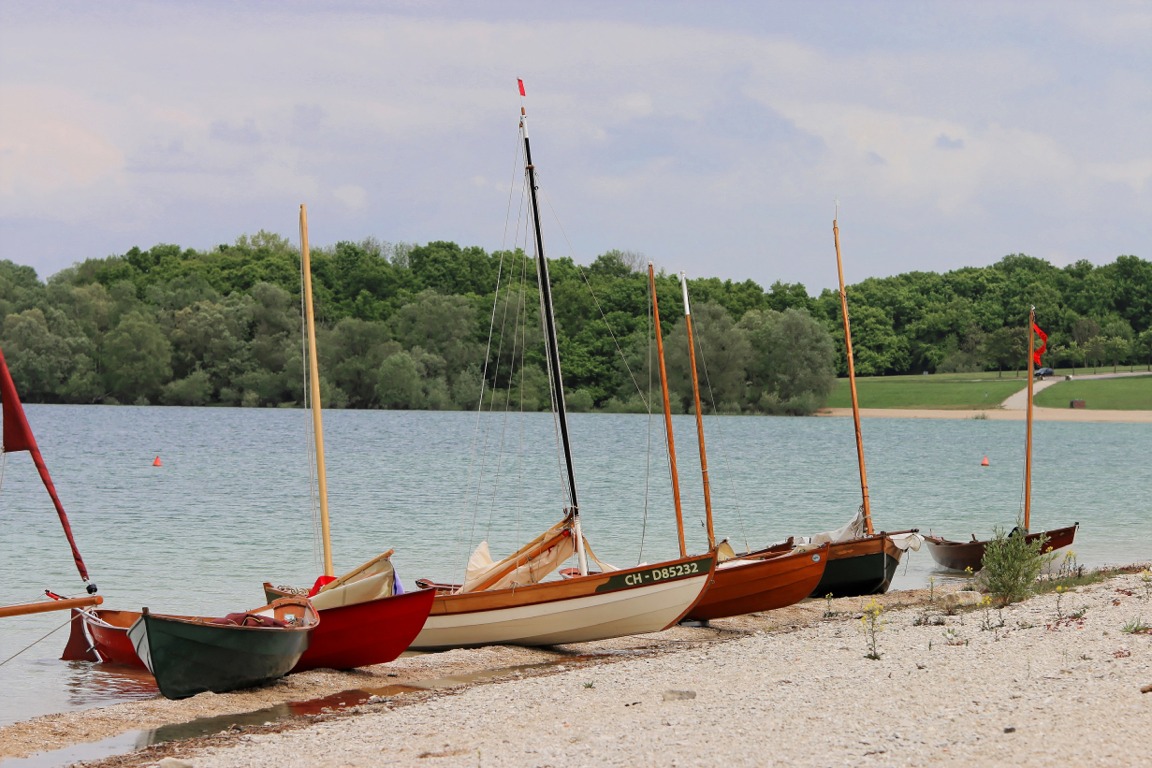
(863, 566)
(190, 655)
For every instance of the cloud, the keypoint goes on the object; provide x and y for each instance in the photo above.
(677, 134)
(48, 157)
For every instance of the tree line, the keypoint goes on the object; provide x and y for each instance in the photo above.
(412, 327)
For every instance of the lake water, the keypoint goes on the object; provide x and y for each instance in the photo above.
(231, 507)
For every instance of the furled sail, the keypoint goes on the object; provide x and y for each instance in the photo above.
(528, 565)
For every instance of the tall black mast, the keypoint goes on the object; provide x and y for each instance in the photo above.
(549, 319)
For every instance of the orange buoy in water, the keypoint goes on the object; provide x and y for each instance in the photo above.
(983, 462)
(156, 462)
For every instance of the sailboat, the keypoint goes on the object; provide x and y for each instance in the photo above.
(365, 620)
(740, 585)
(17, 436)
(965, 555)
(511, 601)
(860, 560)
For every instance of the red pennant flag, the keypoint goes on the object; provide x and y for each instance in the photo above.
(520, 83)
(17, 433)
(1043, 344)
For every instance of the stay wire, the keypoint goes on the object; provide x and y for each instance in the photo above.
(35, 642)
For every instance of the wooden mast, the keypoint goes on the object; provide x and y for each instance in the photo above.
(667, 411)
(1028, 440)
(314, 389)
(550, 339)
(852, 384)
(699, 416)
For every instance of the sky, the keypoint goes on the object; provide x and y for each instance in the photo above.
(718, 138)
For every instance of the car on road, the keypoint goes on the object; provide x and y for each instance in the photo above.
(1042, 372)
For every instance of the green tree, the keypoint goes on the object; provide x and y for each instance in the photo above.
(137, 360)
(399, 384)
(791, 368)
(444, 325)
(1007, 348)
(722, 351)
(40, 361)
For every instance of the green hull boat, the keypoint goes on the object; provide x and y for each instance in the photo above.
(190, 655)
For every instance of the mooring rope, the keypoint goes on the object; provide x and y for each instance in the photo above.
(34, 642)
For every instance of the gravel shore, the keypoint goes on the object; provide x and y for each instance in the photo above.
(1057, 678)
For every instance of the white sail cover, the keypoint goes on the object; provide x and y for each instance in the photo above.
(528, 565)
(854, 529)
(370, 581)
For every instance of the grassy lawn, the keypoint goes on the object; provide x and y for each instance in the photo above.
(1127, 394)
(947, 391)
(972, 391)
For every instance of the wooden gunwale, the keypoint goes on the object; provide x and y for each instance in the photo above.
(761, 585)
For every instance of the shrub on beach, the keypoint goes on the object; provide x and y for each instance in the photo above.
(1011, 565)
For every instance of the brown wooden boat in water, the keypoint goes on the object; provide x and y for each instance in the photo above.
(965, 555)
(962, 555)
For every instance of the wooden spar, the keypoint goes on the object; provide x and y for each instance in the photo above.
(552, 343)
(852, 384)
(314, 385)
(667, 411)
(1028, 420)
(43, 606)
(699, 416)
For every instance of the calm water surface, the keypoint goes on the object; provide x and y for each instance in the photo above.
(231, 507)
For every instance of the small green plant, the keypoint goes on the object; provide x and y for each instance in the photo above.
(589, 685)
(1137, 626)
(1060, 590)
(931, 589)
(1068, 569)
(828, 612)
(1011, 565)
(1146, 582)
(987, 623)
(952, 637)
(872, 624)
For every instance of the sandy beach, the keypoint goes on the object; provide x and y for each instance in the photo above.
(1056, 678)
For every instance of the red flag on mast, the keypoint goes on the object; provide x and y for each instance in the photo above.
(17, 436)
(520, 83)
(17, 433)
(1043, 344)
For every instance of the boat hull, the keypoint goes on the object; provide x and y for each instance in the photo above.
(188, 656)
(962, 555)
(363, 634)
(108, 632)
(580, 609)
(749, 586)
(862, 566)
